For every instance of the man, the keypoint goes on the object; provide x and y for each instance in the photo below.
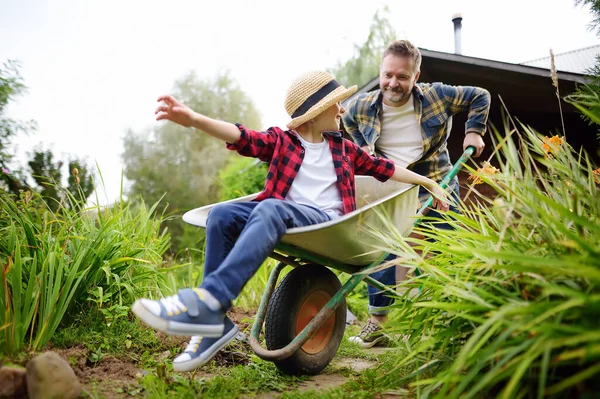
(409, 123)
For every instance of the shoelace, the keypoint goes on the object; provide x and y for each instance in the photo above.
(172, 304)
(369, 328)
(193, 344)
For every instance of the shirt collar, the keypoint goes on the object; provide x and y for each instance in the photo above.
(418, 92)
(331, 133)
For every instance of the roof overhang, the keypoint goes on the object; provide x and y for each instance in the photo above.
(521, 87)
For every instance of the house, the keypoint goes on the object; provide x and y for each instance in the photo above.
(577, 61)
(523, 90)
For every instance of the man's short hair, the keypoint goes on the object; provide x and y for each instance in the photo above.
(404, 48)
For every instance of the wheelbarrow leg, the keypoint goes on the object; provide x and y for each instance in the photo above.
(264, 303)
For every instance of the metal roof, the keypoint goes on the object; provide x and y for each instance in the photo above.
(576, 61)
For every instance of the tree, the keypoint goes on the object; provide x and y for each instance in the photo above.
(595, 9)
(587, 97)
(43, 170)
(11, 86)
(364, 65)
(48, 176)
(179, 163)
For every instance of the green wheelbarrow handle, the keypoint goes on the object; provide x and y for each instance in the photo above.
(336, 300)
(446, 181)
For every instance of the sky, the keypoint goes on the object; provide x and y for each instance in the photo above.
(95, 68)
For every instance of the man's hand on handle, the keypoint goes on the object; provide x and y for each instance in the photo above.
(474, 140)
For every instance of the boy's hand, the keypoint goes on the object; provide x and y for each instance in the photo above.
(440, 197)
(174, 111)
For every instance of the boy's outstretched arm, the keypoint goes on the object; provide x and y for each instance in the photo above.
(174, 111)
(404, 175)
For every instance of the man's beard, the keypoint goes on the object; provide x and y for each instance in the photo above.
(395, 96)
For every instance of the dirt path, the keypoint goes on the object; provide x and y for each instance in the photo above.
(326, 380)
(120, 377)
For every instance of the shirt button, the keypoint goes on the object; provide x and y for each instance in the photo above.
(345, 158)
(301, 151)
(297, 168)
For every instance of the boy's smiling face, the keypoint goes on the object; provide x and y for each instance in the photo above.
(329, 120)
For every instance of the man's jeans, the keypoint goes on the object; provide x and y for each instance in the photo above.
(378, 300)
(241, 235)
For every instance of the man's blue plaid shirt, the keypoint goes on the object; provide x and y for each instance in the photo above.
(435, 103)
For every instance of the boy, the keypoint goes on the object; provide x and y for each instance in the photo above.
(310, 181)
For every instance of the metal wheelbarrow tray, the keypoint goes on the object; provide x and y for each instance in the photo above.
(306, 314)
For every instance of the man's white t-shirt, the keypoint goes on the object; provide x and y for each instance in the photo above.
(400, 134)
(316, 182)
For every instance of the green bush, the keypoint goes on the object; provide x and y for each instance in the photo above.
(52, 261)
(243, 176)
(510, 300)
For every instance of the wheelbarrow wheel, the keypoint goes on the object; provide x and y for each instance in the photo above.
(296, 300)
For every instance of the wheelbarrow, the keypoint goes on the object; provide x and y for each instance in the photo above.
(305, 314)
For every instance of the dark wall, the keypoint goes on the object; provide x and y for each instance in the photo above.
(528, 98)
(579, 134)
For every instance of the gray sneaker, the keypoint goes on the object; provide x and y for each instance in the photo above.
(371, 335)
(185, 313)
(200, 350)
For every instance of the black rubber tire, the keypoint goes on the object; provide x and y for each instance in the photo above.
(282, 313)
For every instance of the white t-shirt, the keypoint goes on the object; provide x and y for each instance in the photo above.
(316, 182)
(400, 134)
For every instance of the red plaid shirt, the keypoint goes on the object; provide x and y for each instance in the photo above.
(284, 153)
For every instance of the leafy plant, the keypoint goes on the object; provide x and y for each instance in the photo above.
(242, 176)
(51, 261)
(509, 300)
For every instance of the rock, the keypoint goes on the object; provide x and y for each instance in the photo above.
(241, 337)
(50, 376)
(350, 318)
(164, 356)
(13, 382)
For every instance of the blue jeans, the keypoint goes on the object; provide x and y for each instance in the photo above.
(241, 235)
(378, 300)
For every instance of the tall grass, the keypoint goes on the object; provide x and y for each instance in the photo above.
(509, 301)
(53, 260)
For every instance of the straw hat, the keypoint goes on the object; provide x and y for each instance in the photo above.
(311, 94)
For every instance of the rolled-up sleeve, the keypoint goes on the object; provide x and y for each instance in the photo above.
(364, 164)
(475, 100)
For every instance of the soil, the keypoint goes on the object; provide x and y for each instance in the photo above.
(111, 375)
(105, 377)
(118, 377)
